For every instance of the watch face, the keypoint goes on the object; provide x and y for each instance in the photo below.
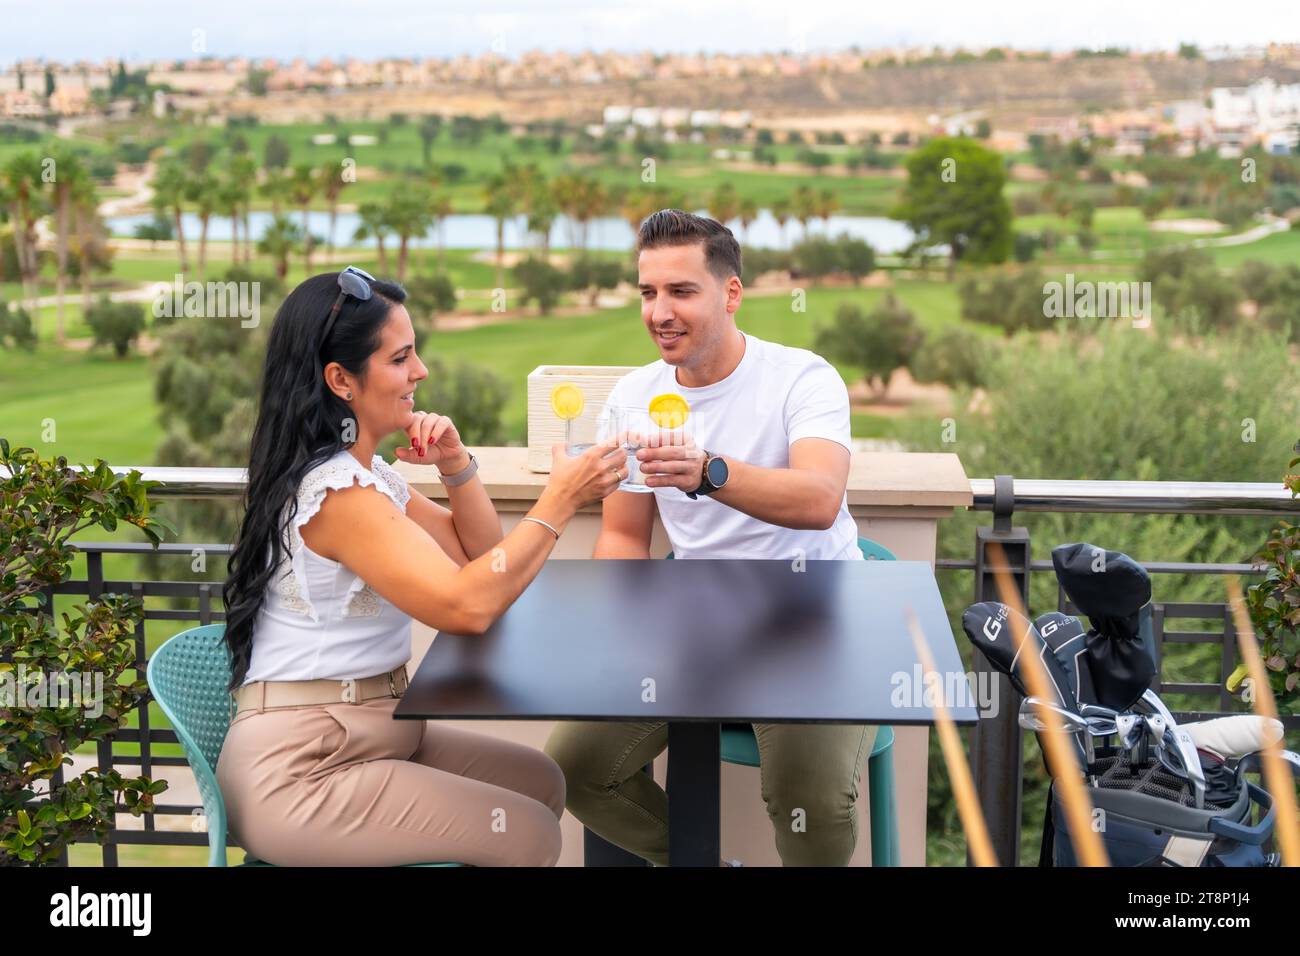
(717, 472)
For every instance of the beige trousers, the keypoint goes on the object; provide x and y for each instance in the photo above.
(347, 785)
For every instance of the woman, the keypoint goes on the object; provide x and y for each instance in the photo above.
(335, 557)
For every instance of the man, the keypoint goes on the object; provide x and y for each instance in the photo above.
(764, 477)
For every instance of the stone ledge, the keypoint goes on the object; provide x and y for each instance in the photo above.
(900, 482)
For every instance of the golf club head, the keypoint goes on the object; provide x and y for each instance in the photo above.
(1153, 727)
(1080, 728)
(1074, 725)
(1156, 726)
(1127, 726)
(1192, 764)
(1150, 702)
(1098, 710)
(1180, 743)
(1031, 719)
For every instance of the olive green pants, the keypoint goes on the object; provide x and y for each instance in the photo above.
(809, 778)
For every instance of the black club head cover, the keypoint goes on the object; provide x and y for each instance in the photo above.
(1065, 636)
(1114, 591)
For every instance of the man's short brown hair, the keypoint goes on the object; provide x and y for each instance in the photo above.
(673, 227)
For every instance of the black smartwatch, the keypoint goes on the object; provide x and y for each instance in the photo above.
(712, 477)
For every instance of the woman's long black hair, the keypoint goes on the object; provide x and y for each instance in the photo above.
(300, 423)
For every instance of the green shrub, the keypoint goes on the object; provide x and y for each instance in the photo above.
(541, 282)
(81, 696)
(16, 328)
(115, 324)
(955, 357)
(877, 343)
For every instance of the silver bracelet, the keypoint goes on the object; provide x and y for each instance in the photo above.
(543, 524)
(462, 476)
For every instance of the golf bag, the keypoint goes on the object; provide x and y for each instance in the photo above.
(1147, 817)
(1185, 802)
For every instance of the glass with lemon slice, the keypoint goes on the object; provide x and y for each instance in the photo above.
(664, 420)
(585, 423)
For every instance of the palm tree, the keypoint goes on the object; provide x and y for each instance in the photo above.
(91, 233)
(499, 203)
(22, 178)
(827, 205)
(746, 212)
(277, 187)
(280, 240)
(724, 204)
(331, 184)
(69, 171)
(170, 186)
(440, 208)
(205, 193)
(230, 194)
(805, 207)
(563, 188)
(781, 213)
(408, 215)
(374, 224)
(537, 198)
(4, 213)
(588, 201)
(634, 205)
(243, 172)
(303, 190)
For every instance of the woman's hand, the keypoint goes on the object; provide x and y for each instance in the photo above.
(587, 478)
(434, 441)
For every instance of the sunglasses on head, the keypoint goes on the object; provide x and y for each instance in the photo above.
(352, 282)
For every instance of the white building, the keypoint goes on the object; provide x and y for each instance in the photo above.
(1263, 107)
(617, 115)
(645, 116)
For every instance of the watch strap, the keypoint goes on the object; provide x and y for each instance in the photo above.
(462, 476)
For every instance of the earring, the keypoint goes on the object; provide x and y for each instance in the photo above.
(349, 396)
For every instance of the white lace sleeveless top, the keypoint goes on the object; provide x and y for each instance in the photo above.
(320, 620)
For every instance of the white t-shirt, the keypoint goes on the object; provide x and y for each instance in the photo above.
(774, 397)
(319, 620)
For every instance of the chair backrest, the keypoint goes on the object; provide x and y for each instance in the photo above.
(189, 676)
(870, 550)
(875, 552)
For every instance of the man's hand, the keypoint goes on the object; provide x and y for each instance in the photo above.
(673, 466)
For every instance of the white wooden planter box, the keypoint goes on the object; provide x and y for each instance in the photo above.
(545, 428)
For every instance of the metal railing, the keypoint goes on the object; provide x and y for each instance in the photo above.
(997, 740)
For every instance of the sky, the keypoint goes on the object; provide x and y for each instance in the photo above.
(369, 29)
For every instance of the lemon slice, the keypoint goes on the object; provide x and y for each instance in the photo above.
(669, 410)
(567, 400)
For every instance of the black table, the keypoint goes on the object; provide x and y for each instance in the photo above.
(698, 644)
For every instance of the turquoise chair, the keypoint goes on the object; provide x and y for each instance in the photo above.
(740, 746)
(189, 676)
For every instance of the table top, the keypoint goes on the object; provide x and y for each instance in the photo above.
(702, 640)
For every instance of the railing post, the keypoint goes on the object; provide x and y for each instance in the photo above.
(996, 745)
